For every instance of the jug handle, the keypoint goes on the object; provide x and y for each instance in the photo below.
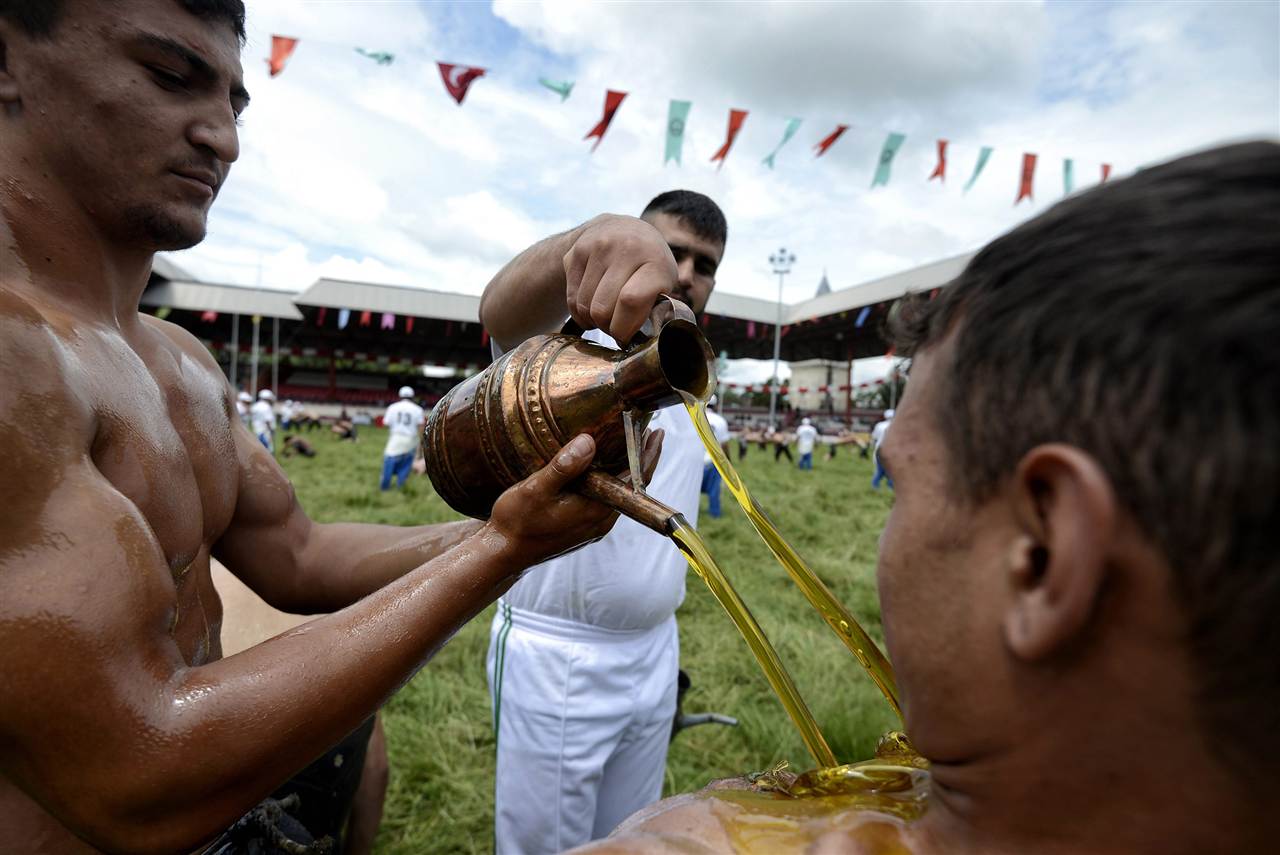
(639, 506)
(667, 308)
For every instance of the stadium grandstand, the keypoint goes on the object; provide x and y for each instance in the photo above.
(344, 344)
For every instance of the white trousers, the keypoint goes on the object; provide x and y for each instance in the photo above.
(583, 718)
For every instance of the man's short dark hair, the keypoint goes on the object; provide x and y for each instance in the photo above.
(1140, 322)
(39, 18)
(703, 216)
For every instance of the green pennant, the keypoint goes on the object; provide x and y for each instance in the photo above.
(163, 312)
(1068, 178)
(890, 150)
(379, 56)
(560, 87)
(792, 126)
(983, 156)
(677, 115)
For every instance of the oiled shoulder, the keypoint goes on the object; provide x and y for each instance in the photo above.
(40, 378)
(183, 341)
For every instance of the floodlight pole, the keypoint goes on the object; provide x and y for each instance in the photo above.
(781, 262)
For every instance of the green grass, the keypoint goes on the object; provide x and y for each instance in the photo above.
(438, 727)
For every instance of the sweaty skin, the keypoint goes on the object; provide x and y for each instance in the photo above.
(125, 468)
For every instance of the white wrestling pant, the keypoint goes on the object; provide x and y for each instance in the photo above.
(583, 718)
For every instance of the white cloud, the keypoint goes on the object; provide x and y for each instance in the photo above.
(374, 171)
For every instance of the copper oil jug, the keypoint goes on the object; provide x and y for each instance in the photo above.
(505, 423)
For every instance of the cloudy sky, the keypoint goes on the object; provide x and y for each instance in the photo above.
(355, 170)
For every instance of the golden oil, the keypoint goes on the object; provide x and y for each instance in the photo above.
(695, 552)
(849, 631)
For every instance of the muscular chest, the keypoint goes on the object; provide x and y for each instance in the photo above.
(163, 439)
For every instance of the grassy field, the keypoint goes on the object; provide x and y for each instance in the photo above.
(438, 726)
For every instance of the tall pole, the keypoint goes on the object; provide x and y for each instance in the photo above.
(781, 261)
(275, 357)
(253, 361)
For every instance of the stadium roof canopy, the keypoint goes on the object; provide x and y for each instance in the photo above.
(838, 325)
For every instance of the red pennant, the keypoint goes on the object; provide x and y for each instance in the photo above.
(320, 316)
(366, 318)
(1028, 174)
(281, 49)
(612, 101)
(1106, 171)
(208, 317)
(830, 140)
(458, 78)
(751, 329)
(484, 337)
(736, 118)
(408, 324)
(940, 171)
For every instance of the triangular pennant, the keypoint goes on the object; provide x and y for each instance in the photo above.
(408, 324)
(612, 101)
(940, 171)
(321, 315)
(281, 49)
(830, 140)
(862, 317)
(1068, 177)
(1028, 178)
(983, 156)
(163, 312)
(208, 317)
(677, 115)
(458, 78)
(388, 321)
(736, 118)
(379, 56)
(787, 134)
(366, 318)
(560, 87)
(1106, 171)
(892, 143)
(344, 318)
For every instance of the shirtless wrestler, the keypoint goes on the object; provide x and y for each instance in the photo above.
(125, 469)
(1080, 576)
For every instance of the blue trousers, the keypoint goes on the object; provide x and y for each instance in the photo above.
(880, 474)
(806, 460)
(398, 465)
(711, 486)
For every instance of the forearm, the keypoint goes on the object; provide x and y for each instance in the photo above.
(239, 727)
(527, 296)
(343, 562)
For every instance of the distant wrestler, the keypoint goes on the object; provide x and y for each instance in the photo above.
(122, 728)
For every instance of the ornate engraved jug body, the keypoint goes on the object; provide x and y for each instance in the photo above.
(510, 420)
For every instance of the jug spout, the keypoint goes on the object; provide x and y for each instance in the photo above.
(678, 358)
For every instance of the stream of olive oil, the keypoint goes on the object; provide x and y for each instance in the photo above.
(815, 591)
(695, 552)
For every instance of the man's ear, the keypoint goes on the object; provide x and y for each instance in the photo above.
(1065, 507)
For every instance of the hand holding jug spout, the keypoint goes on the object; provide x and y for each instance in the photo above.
(502, 425)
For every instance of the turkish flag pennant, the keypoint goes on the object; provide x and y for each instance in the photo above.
(940, 171)
(1028, 175)
(736, 118)
(830, 140)
(320, 316)
(281, 49)
(612, 101)
(458, 79)
(366, 318)
(408, 323)
(1106, 171)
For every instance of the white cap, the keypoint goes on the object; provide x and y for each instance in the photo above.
(406, 391)
(714, 400)
(888, 414)
(244, 398)
(805, 421)
(266, 395)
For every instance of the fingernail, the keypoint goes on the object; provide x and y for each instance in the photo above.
(577, 447)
